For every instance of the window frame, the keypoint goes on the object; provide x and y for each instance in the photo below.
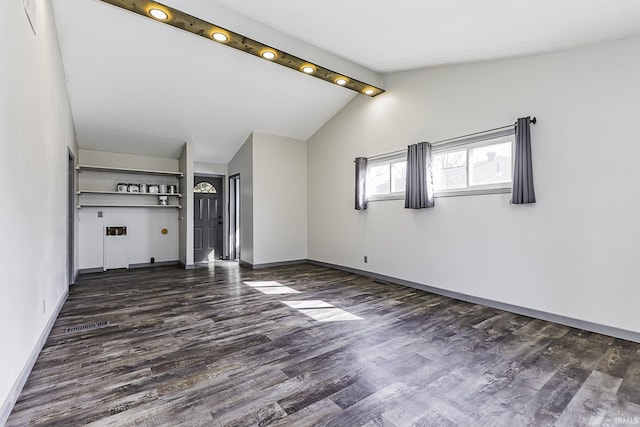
(468, 144)
(210, 185)
(387, 160)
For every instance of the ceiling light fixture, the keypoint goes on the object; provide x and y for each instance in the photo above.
(220, 37)
(158, 14)
(268, 54)
(200, 27)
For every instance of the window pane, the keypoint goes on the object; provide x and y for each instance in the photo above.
(204, 187)
(398, 176)
(450, 170)
(490, 164)
(378, 180)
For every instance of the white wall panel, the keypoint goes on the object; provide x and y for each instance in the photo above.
(36, 132)
(573, 253)
(280, 198)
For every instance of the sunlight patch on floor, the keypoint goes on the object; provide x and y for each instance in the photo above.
(329, 314)
(318, 303)
(316, 309)
(271, 288)
(322, 311)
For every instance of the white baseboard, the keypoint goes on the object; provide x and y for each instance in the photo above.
(273, 264)
(12, 398)
(155, 264)
(538, 314)
(186, 266)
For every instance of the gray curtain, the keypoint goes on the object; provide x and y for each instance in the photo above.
(419, 190)
(522, 191)
(361, 183)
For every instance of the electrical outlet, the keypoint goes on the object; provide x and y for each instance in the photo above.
(366, 259)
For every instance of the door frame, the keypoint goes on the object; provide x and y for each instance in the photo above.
(234, 217)
(225, 198)
(71, 216)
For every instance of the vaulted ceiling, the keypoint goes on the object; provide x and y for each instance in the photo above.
(138, 86)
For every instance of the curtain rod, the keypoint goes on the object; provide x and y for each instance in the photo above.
(533, 120)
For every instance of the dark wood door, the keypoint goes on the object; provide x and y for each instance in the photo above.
(207, 224)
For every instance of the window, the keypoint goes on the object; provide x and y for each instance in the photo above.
(386, 179)
(482, 165)
(398, 176)
(204, 187)
(450, 170)
(474, 165)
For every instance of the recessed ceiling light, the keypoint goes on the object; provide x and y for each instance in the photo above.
(213, 32)
(159, 14)
(220, 37)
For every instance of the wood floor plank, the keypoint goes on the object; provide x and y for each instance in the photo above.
(202, 348)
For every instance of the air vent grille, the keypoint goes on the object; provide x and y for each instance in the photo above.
(87, 327)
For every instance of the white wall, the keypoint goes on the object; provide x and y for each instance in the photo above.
(573, 253)
(131, 161)
(206, 168)
(273, 200)
(36, 130)
(185, 165)
(279, 198)
(242, 163)
(144, 234)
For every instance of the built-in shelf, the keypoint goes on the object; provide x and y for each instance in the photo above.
(105, 205)
(122, 193)
(127, 170)
(109, 199)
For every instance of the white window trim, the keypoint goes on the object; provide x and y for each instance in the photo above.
(383, 160)
(477, 142)
(390, 196)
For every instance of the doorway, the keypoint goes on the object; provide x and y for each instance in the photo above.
(207, 218)
(71, 213)
(234, 217)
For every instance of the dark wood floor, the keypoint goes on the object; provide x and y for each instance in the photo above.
(200, 348)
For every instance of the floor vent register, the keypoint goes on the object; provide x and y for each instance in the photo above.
(87, 327)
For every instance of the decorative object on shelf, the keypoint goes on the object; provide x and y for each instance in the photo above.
(120, 205)
(136, 192)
